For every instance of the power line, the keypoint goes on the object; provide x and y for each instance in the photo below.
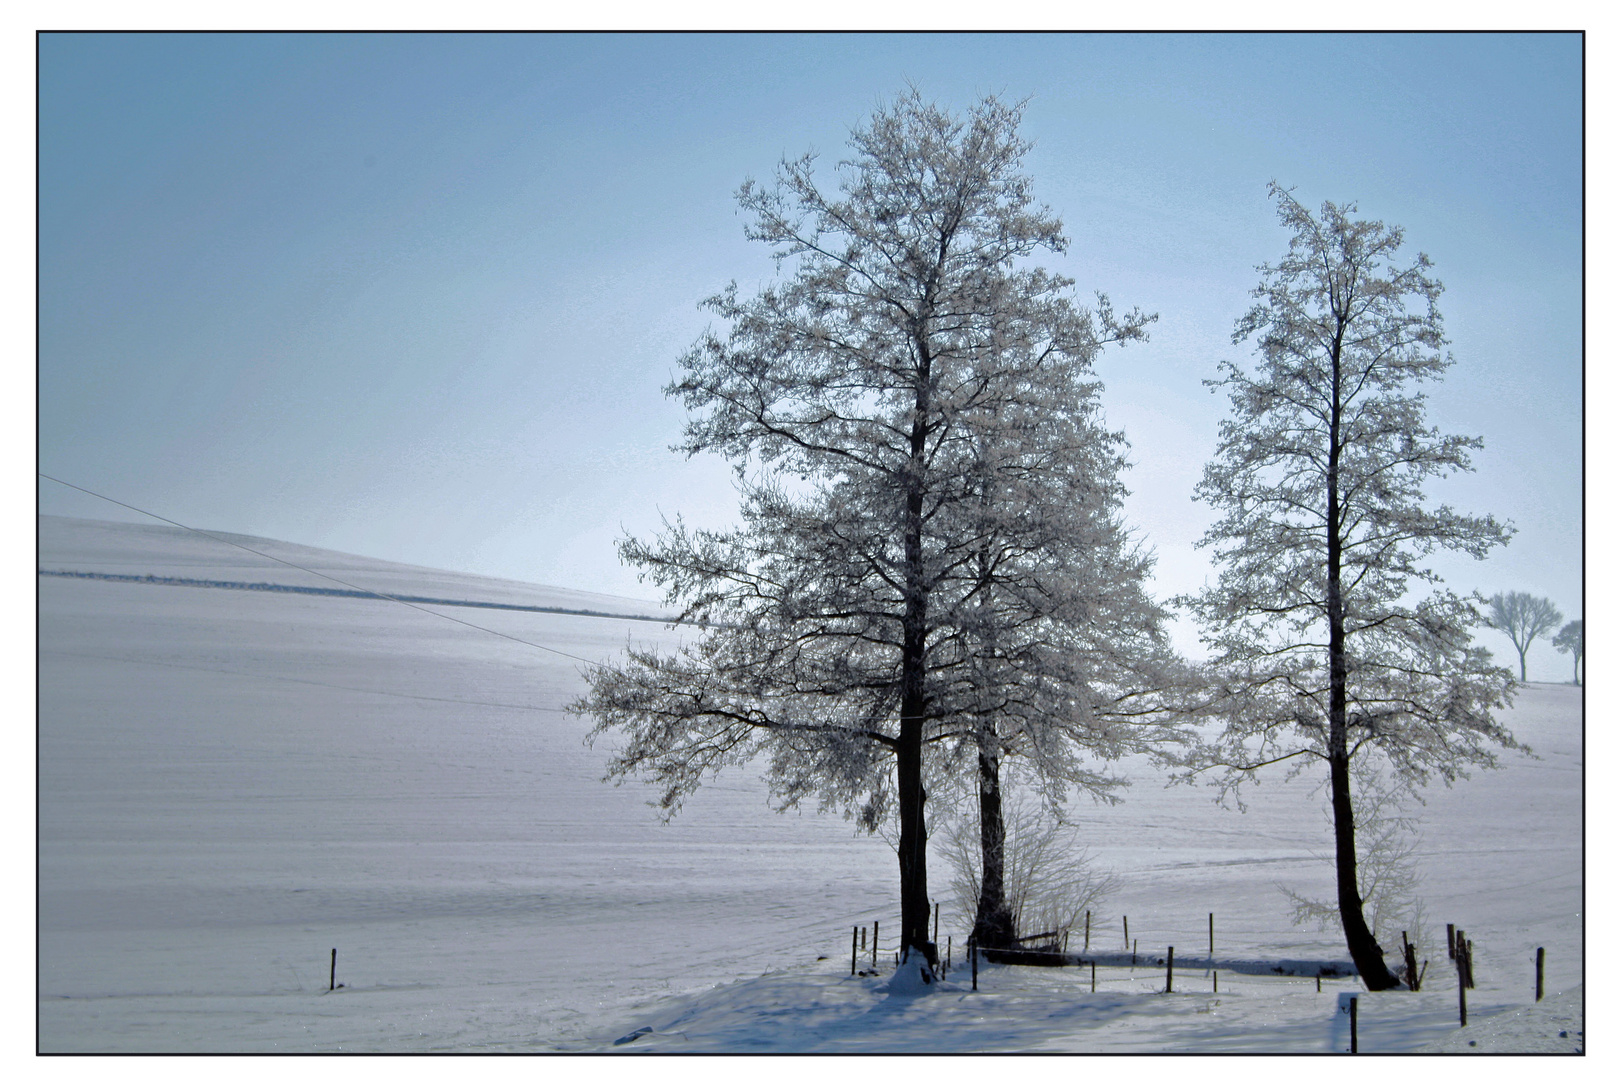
(317, 573)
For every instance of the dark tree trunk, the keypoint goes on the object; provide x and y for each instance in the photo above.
(993, 926)
(1364, 949)
(913, 846)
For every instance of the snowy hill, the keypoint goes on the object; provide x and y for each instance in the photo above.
(233, 783)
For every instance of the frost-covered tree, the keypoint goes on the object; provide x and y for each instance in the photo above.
(854, 397)
(1572, 639)
(1062, 655)
(1523, 618)
(1328, 636)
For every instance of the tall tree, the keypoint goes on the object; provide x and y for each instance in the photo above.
(1523, 618)
(1572, 639)
(850, 396)
(1321, 647)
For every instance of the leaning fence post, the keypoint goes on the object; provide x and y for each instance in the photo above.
(1462, 991)
(1127, 919)
(1170, 970)
(1541, 955)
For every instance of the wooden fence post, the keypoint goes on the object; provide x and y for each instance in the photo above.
(1462, 997)
(1170, 970)
(1127, 919)
(854, 941)
(1217, 987)
(947, 952)
(1353, 1026)
(1541, 956)
(874, 942)
(1451, 941)
(1088, 931)
(1094, 976)
(1211, 970)
(973, 950)
(332, 981)
(936, 920)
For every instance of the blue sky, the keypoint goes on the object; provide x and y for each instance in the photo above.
(416, 296)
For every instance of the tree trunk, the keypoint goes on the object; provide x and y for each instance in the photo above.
(993, 926)
(913, 846)
(1364, 949)
(915, 908)
(1521, 664)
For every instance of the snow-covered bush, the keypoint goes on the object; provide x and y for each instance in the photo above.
(1051, 880)
(1387, 875)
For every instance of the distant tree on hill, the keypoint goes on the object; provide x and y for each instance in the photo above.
(1572, 639)
(1523, 618)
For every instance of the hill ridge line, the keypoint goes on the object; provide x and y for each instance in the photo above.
(357, 594)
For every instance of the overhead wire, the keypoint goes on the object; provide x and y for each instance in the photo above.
(317, 573)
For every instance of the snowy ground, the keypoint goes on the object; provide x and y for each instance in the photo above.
(233, 783)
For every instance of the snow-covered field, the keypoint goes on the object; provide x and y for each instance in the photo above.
(232, 784)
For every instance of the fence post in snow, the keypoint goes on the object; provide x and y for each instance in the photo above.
(874, 942)
(1170, 970)
(1127, 919)
(1451, 941)
(1088, 931)
(1212, 943)
(332, 980)
(936, 921)
(1353, 1025)
(854, 943)
(1094, 976)
(973, 950)
(1541, 956)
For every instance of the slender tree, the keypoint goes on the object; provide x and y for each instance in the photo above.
(1523, 618)
(852, 396)
(1056, 631)
(1323, 642)
(1572, 639)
